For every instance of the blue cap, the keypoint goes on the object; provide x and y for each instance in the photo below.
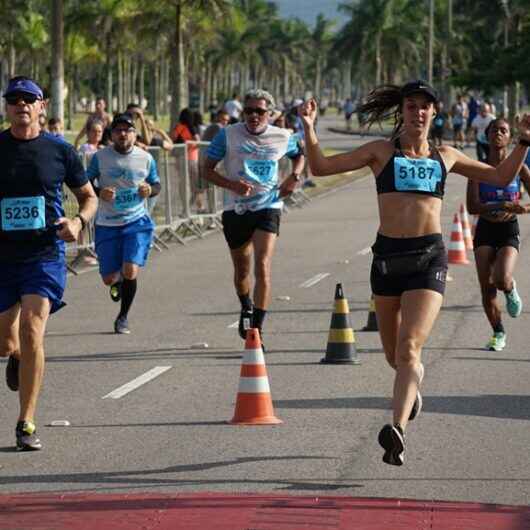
(24, 85)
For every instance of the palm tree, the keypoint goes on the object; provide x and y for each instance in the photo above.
(179, 76)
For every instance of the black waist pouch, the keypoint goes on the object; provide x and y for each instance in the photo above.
(407, 262)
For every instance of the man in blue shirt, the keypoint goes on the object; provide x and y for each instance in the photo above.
(33, 228)
(251, 219)
(124, 176)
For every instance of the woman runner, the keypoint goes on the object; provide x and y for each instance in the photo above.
(409, 268)
(496, 239)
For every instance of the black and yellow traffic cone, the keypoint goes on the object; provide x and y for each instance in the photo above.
(371, 323)
(341, 340)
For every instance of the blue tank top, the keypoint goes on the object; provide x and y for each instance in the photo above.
(425, 176)
(490, 194)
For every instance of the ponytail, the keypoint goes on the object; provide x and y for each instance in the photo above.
(382, 103)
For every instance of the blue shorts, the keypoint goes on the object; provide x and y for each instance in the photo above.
(43, 278)
(116, 245)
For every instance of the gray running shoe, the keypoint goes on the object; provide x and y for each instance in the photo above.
(497, 342)
(392, 440)
(27, 439)
(514, 304)
(12, 373)
(121, 326)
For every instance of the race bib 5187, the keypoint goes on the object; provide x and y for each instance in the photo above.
(416, 174)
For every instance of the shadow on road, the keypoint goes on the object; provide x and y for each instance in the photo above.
(515, 407)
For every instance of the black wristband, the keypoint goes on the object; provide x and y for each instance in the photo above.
(82, 219)
(524, 142)
(297, 178)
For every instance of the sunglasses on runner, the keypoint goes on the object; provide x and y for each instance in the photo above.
(13, 99)
(255, 110)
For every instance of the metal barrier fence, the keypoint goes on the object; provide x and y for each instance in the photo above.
(187, 207)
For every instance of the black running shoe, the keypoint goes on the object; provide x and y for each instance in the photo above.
(115, 292)
(121, 326)
(245, 322)
(27, 439)
(392, 440)
(416, 408)
(12, 373)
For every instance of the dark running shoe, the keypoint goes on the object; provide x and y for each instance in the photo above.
(245, 322)
(115, 292)
(12, 373)
(121, 326)
(392, 440)
(27, 439)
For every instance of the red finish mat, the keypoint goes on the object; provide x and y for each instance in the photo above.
(248, 512)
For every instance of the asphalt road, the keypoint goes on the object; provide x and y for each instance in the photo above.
(469, 444)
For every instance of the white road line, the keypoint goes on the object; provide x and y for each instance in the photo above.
(314, 280)
(364, 251)
(135, 383)
(234, 325)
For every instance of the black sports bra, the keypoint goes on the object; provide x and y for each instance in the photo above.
(413, 175)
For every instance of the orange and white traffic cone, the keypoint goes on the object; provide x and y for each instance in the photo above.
(456, 250)
(466, 228)
(254, 402)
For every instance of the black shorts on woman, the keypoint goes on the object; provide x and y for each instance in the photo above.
(496, 235)
(406, 264)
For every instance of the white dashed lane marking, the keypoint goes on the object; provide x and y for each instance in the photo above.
(314, 280)
(135, 383)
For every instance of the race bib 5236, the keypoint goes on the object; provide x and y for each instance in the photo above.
(23, 213)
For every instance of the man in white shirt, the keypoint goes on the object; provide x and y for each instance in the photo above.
(233, 107)
(479, 125)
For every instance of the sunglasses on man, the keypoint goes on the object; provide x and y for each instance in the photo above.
(14, 99)
(255, 110)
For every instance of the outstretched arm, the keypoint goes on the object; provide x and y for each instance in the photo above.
(501, 175)
(322, 165)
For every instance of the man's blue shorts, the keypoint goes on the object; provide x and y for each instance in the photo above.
(43, 278)
(116, 245)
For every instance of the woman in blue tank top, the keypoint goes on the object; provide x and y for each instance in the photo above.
(496, 240)
(409, 268)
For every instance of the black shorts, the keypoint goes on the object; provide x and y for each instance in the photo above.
(496, 235)
(432, 276)
(437, 132)
(238, 228)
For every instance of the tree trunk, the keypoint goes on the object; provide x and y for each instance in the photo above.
(346, 81)
(179, 82)
(11, 55)
(108, 72)
(318, 77)
(286, 86)
(57, 85)
(203, 83)
(378, 61)
(154, 91)
(119, 59)
(141, 82)
(214, 97)
(134, 78)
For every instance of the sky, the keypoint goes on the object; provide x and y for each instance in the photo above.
(307, 10)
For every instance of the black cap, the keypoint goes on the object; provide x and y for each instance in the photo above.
(123, 118)
(419, 87)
